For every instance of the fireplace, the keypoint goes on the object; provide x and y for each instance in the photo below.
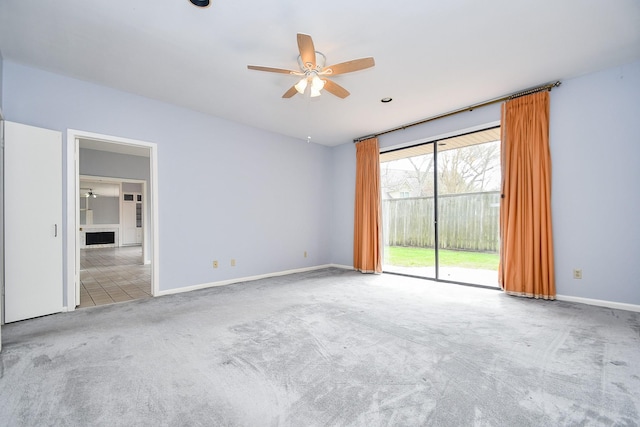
(100, 238)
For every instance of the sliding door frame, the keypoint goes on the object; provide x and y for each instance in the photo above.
(436, 195)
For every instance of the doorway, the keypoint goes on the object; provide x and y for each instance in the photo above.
(121, 260)
(440, 209)
(112, 212)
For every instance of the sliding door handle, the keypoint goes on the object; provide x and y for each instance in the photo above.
(55, 230)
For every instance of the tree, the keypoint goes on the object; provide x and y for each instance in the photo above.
(422, 174)
(462, 170)
(469, 169)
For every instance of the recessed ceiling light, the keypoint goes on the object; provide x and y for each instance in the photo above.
(200, 3)
(385, 100)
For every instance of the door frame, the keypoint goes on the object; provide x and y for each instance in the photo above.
(1, 224)
(73, 211)
(434, 140)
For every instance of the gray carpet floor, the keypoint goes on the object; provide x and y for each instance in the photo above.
(325, 348)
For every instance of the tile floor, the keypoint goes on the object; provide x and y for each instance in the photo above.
(109, 275)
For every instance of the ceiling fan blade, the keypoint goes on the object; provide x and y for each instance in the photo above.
(349, 66)
(270, 69)
(335, 89)
(307, 50)
(292, 91)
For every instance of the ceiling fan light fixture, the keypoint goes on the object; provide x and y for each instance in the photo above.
(314, 92)
(301, 85)
(317, 83)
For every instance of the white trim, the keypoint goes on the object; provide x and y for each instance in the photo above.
(600, 303)
(76, 201)
(342, 266)
(73, 217)
(73, 194)
(153, 217)
(246, 279)
(146, 214)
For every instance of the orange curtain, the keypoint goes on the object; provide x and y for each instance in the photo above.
(367, 256)
(526, 256)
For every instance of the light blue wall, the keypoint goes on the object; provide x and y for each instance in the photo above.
(225, 190)
(595, 147)
(442, 127)
(106, 210)
(344, 178)
(131, 187)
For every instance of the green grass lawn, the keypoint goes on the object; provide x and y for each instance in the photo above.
(421, 257)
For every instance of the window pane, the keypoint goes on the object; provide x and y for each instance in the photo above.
(407, 183)
(468, 210)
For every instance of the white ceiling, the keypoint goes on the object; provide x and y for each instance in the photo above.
(431, 56)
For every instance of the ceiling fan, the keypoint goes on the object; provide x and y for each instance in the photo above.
(314, 73)
(89, 193)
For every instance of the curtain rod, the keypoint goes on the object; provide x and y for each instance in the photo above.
(548, 87)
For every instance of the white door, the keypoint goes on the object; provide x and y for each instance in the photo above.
(129, 221)
(33, 221)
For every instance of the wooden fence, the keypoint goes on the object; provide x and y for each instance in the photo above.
(466, 221)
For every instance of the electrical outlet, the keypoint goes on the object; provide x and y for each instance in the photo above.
(215, 264)
(305, 254)
(577, 273)
(233, 263)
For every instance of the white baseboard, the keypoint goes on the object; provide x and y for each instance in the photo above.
(247, 279)
(568, 298)
(600, 303)
(344, 267)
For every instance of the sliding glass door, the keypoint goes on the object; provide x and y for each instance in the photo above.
(441, 209)
(408, 210)
(468, 175)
